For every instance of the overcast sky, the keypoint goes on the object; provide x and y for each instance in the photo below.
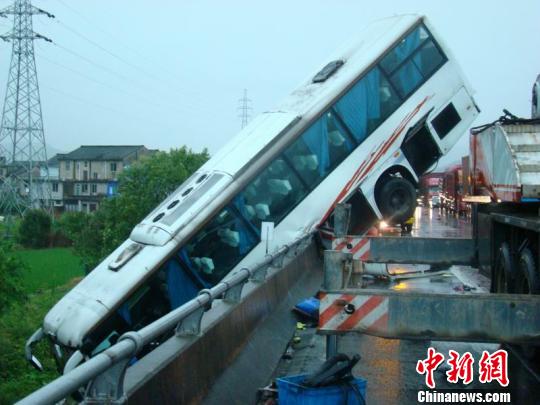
(170, 73)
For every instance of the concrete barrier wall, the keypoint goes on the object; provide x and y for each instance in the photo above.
(183, 370)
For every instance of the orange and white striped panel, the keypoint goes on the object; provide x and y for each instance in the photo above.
(370, 313)
(358, 246)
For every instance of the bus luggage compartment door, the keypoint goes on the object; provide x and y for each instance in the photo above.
(420, 148)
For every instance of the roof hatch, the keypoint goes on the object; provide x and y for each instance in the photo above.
(328, 71)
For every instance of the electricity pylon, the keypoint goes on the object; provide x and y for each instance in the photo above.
(245, 109)
(24, 172)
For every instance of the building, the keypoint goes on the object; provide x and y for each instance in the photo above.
(90, 173)
(15, 179)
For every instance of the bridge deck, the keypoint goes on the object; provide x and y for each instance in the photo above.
(390, 365)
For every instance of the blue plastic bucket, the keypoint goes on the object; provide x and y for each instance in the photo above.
(292, 392)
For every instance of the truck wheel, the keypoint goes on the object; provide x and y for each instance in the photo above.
(504, 271)
(528, 281)
(397, 200)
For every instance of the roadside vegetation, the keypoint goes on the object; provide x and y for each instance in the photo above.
(43, 259)
(26, 294)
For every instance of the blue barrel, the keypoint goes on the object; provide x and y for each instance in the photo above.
(292, 392)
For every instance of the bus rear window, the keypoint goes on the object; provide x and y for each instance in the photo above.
(411, 62)
(404, 49)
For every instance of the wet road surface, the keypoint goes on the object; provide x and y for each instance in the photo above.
(390, 365)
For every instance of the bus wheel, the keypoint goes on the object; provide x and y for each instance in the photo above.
(504, 271)
(397, 200)
(528, 280)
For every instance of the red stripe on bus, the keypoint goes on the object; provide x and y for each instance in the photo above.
(373, 159)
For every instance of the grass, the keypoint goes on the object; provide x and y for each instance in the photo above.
(49, 268)
(17, 377)
(50, 274)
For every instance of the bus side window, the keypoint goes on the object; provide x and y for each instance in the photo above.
(219, 246)
(273, 194)
(367, 104)
(321, 148)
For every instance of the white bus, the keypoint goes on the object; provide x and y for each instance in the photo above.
(363, 129)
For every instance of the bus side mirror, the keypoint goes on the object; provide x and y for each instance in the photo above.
(36, 363)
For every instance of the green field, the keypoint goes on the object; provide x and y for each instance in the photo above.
(49, 268)
(49, 275)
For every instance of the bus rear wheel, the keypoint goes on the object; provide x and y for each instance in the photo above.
(397, 200)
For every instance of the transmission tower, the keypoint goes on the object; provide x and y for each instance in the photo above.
(245, 109)
(24, 172)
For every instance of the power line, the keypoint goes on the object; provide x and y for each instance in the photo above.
(121, 59)
(95, 26)
(163, 69)
(106, 85)
(114, 55)
(103, 107)
(112, 72)
(90, 61)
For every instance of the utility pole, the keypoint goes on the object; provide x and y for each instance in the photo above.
(24, 172)
(245, 109)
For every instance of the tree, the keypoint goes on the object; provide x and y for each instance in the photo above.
(35, 229)
(141, 187)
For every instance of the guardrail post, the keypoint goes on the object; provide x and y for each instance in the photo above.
(334, 264)
(234, 293)
(191, 324)
(292, 250)
(108, 387)
(304, 243)
(258, 275)
(342, 215)
(277, 261)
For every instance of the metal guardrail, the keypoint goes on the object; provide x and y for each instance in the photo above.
(104, 373)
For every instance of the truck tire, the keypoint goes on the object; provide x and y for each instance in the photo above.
(528, 281)
(397, 200)
(504, 275)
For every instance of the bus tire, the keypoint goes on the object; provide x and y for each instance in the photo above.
(397, 200)
(505, 272)
(528, 281)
